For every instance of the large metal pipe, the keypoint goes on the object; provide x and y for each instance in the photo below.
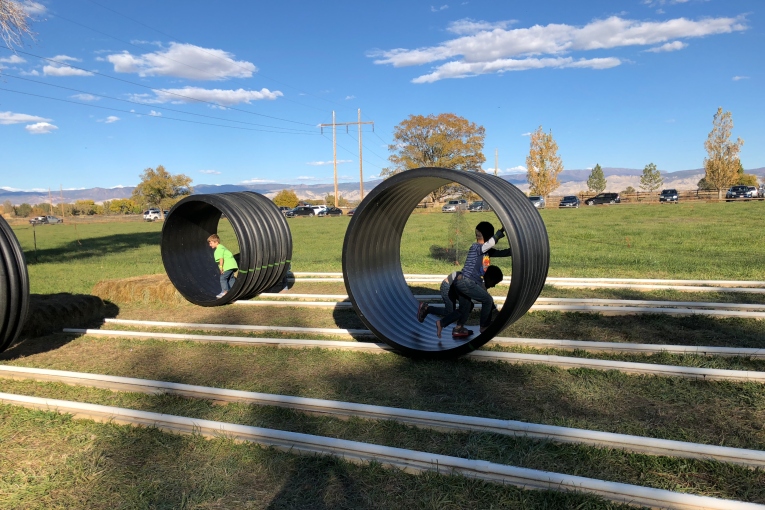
(375, 280)
(14, 286)
(265, 245)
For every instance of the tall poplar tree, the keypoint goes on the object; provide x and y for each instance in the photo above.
(722, 163)
(543, 165)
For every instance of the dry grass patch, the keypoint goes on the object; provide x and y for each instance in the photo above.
(148, 289)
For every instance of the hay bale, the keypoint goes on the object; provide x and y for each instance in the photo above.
(148, 289)
(50, 313)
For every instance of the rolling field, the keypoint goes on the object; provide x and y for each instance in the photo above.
(54, 461)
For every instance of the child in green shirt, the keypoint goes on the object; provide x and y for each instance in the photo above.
(226, 263)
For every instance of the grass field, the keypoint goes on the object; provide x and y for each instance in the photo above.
(694, 241)
(52, 461)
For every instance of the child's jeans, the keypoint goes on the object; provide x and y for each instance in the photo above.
(227, 280)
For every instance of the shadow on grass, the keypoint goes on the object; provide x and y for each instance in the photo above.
(93, 247)
(49, 314)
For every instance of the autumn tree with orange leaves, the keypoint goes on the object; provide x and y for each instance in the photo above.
(543, 165)
(446, 140)
(722, 163)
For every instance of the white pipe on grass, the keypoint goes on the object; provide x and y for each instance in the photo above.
(410, 460)
(423, 419)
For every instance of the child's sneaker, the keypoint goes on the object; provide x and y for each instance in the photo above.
(461, 333)
(220, 295)
(422, 312)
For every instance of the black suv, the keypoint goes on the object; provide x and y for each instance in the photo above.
(569, 201)
(740, 191)
(604, 198)
(668, 195)
(303, 210)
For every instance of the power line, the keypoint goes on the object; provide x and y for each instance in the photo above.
(366, 146)
(351, 152)
(149, 115)
(155, 89)
(6, 75)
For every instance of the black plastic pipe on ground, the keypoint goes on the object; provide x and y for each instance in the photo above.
(14, 286)
(265, 246)
(372, 269)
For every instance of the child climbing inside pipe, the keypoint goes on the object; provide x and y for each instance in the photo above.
(471, 284)
(226, 263)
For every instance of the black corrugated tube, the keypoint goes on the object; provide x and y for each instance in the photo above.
(14, 286)
(265, 245)
(372, 269)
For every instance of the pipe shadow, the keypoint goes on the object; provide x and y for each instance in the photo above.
(93, 247)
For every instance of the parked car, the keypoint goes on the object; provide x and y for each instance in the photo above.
(538, 201)
(454, 206)
(330, 211)
(569, 201)
(301, 210)
(738, 192)
(604, 198)
(151, 215)
(352, 212)
(755, 194)
(45, 220)
(479, 206)
(283, 209)
(668, 195)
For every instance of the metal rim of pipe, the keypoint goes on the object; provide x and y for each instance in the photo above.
(264, 238)
(14, 286)
(409, 460)
(421, 419)
(374, 279)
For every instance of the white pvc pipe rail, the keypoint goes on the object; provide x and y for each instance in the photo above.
(410, 460)
(423, 419)
(241, 327)
(608, 310)
(710, 374)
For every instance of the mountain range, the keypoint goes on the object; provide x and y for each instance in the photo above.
(572, 181)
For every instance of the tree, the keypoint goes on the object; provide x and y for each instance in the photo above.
(121, 206)
(341, 200)
(158, 188)
(543, 163)
(286, 198)
(629, 190)
(596, 182)
(85, 207)
(446, 140)
(704, 185)
(23, 210)
(744, 178)
(7, 207)
(14, 23)
(651, 180)
(722, 163)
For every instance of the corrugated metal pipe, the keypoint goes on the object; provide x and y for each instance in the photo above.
(14, 286)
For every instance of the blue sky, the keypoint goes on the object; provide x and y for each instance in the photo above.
(619, 83)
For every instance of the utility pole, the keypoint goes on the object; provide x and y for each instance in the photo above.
(496, 161)
(334, 149)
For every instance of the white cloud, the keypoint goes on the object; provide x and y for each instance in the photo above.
(19, 118)
(13, 59)
(320, 163)
(737, 78)
(41, 128)
(59, 69)
(183, 61)
(496, 50)
(219, 96)
(85, 97)
(527, 133)
(508, 171)
(306, 178)
(33, 72)
(347, 98)
(209, 172)
(436, 9)
(468, 26)
(256, 181)
(111, 118)
(155, 114)
(670, 46)
(33, 8)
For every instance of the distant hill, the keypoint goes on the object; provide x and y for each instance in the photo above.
(572, 181)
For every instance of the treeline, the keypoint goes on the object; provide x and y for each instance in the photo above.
(77, 208)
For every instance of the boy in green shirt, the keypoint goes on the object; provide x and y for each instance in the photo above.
(226, 263)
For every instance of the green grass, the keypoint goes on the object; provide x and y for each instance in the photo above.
(695, 241)
(52, 461)
(700, 477)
